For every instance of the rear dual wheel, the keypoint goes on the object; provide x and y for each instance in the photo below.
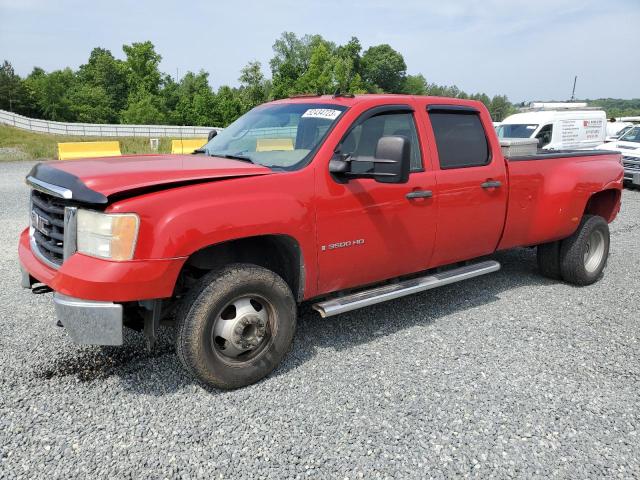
(235, 327)
(580, 258)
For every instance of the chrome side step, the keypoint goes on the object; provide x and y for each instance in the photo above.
(365, 298)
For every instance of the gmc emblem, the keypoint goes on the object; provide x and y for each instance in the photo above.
(39, 223)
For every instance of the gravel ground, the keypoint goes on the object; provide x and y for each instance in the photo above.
(508, 375)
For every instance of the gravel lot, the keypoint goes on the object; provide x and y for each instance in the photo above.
(508, 375)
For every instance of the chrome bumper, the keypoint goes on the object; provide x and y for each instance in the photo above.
(90, 322)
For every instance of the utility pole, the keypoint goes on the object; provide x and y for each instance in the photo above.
(573, 92)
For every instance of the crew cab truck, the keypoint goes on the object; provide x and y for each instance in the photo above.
(341, 201)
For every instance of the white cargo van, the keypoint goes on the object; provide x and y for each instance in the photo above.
(557, 129)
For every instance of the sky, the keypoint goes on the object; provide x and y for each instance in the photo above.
(528, 50)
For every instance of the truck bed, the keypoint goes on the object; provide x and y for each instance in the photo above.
(549, 191)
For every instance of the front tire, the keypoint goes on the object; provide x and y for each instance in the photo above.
(584, 254)
(235, 326)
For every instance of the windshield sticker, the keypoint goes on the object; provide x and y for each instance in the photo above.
(328, 113)
(531, 127)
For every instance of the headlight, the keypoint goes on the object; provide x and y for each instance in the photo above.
(105, 235)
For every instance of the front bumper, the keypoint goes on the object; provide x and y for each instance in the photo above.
(631, 169)
(89, 292)
(90, 322)
(89, 278)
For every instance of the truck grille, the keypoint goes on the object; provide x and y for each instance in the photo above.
(631, 163)
(47, 226)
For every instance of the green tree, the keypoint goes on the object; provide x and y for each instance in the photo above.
(229, 106)
(144, 103)
(255, 88)
(13, 95)
(415, 85)
(109, 74)
(500, 108)
(291, 59)
(144, 109)
(346, 69)
(318, 78)
(51, 93)
(383, 68)
(91, 104)
(195, 100)
(142, 67)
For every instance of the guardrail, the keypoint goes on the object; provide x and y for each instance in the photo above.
(102, 130)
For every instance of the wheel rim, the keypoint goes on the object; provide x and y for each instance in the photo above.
(594, 251)
(242, 329)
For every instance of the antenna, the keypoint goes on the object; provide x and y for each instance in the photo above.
(573, 92)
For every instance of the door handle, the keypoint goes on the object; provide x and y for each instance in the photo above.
(491, 184)
(419, 194)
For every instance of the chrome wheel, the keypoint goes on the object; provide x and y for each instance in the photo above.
(241, 330)
(594, 251)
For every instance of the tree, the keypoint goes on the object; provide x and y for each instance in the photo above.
(91, 104)
(253, 85)
(229, 106)
(13, 96)
(142, 67)
(195, 103)
(143, 109)
(144, 103)
(383, 68)
(347, 67)
(500, 108)
(415, 85)
(292, 58)
(318, 78)
(50, 93)
(109, 74)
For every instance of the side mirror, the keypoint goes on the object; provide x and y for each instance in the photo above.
(390, 164)
(212, 134)
(392, 159)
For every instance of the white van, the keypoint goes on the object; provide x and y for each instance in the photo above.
(558, 129)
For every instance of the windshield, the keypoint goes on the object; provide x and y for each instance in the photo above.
(632, 135)
(516, 130)
(277, 135)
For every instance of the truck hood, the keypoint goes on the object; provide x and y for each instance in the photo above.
(95, 180)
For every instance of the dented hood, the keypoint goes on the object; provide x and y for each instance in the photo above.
(95, 180)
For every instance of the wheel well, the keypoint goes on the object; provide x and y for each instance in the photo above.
(604, 204)
(279, 253)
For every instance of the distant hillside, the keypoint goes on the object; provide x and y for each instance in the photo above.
(616, 107)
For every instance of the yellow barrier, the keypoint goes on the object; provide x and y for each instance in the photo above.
(273, 144)
(187, 146)
(75, 150)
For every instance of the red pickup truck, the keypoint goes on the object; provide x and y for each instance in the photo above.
(343, 201)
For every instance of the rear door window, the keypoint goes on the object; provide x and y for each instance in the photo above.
(460, 139)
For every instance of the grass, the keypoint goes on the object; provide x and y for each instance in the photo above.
(16, 144)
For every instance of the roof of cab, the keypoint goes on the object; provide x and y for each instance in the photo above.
(375, 98)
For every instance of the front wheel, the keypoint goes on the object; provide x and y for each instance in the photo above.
(584, 254)
(236, 326)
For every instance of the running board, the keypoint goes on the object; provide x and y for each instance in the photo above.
(365, 298)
